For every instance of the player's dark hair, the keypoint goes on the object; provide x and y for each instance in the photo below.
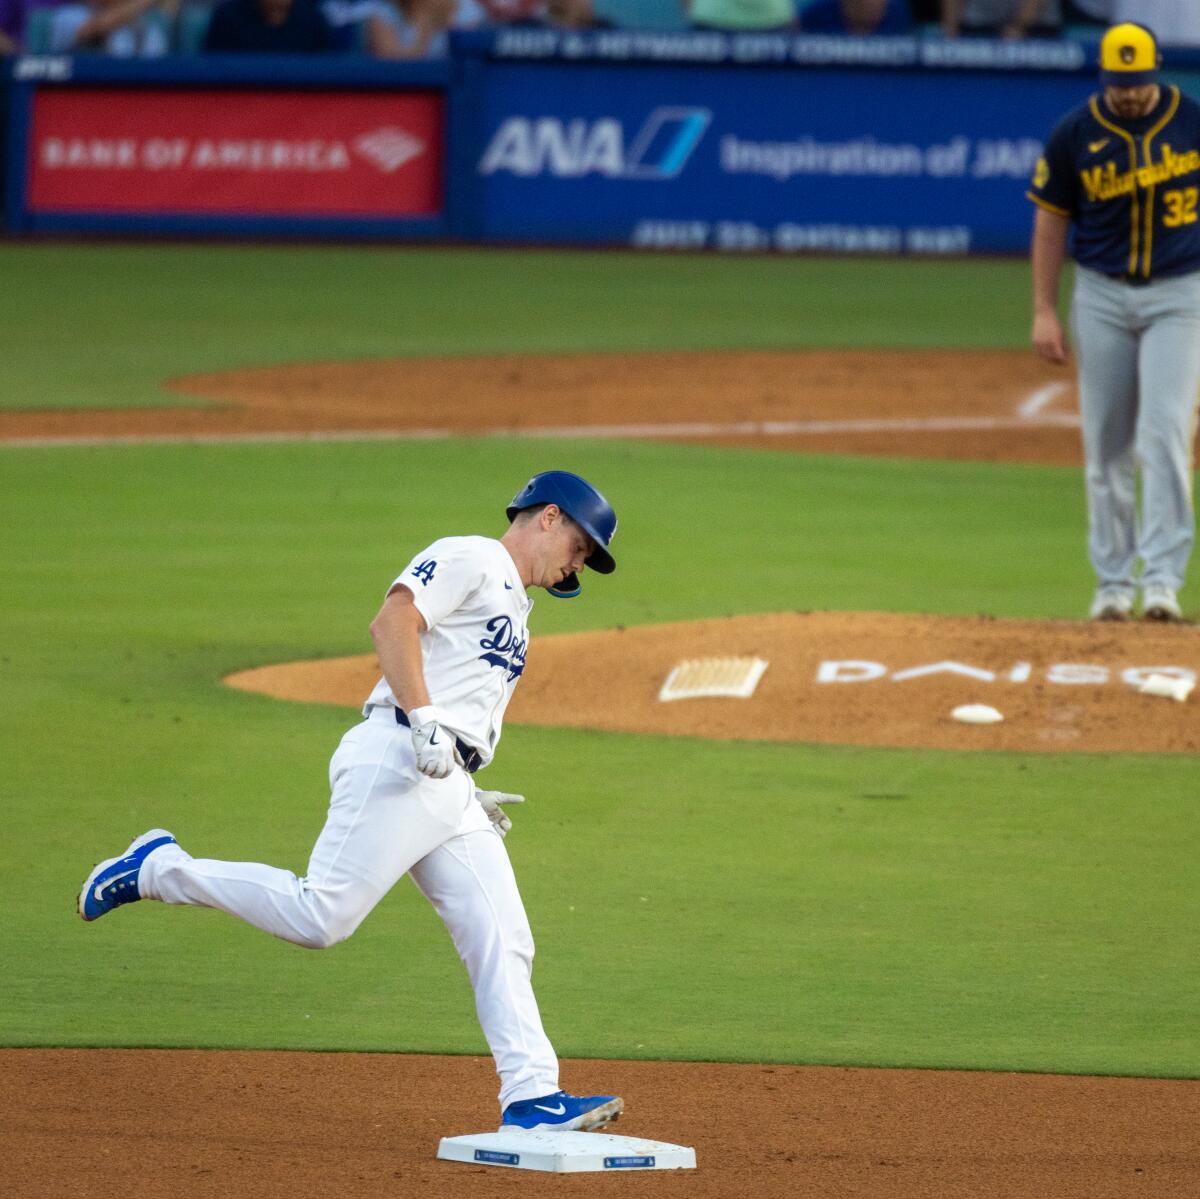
(534, 512)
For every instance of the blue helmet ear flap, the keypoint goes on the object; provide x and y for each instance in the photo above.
(576, 497)
(568, 588)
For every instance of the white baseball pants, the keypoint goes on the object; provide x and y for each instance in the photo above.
(385, 820)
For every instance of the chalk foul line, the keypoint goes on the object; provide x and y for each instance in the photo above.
(696, 429)
(1034, 404)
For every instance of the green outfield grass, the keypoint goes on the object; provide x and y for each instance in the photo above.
(691, 899)
(102, 326)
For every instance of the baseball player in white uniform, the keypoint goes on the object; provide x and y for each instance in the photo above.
(451, 638)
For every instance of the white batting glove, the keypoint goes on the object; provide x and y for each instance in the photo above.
(433, 744)
(491, 801)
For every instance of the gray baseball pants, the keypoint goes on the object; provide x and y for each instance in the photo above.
(1138, 351)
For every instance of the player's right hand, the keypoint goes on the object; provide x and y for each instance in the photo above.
(1048, 337)
(433, 745)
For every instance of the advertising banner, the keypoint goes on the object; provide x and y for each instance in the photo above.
(764, 158)
(237, 152)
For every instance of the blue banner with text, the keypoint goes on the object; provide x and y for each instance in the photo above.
(762, 158)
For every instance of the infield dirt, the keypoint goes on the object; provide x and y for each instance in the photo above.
(156, 1124)
(943, 404)
(842, 678)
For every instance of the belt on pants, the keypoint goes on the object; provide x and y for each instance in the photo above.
(472, 759)
(1132, 280)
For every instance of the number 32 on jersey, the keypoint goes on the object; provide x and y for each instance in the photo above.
(1181, 206)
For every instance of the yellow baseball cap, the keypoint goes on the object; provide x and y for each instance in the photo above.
(1129, 56)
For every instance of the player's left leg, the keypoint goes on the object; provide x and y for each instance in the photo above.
(383, 816)
(470, 882)
(1169, 369)
(1106, 349)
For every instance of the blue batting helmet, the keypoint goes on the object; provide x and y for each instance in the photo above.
(585, 506)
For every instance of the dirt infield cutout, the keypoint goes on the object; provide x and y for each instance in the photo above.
(239, 1125)
(853, 678)
(987, 405)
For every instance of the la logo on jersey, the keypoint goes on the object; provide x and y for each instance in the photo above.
(503, 648)
(425, 570)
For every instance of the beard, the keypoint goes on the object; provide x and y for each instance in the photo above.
(1130, 107)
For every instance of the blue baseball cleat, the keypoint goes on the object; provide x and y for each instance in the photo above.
(115, 881)
(561, 1112)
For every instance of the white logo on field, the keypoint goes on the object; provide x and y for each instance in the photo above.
(1069, 674)
(389, 148)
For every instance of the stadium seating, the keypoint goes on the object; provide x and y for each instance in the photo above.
(192, 26)
(39, 29)
(642, 14)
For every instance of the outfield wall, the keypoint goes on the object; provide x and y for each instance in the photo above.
(687, 140)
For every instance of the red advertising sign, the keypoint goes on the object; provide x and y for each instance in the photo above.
(258, 153)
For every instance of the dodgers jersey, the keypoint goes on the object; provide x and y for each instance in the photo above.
(1130, 188)
(473, 650)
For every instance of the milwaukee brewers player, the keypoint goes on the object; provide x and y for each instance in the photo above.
(451, 638)
(1122, 173)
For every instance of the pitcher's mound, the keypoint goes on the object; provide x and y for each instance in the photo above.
(851, 678)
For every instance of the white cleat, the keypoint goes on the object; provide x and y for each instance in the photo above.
(1111, 603)
(1160, 604)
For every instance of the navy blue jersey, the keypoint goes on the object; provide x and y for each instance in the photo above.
(1130, 188)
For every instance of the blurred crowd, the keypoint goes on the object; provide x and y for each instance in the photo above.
(418, 29)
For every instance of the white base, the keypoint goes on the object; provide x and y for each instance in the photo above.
(565, 1152)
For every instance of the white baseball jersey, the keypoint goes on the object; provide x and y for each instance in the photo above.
(473, 650)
